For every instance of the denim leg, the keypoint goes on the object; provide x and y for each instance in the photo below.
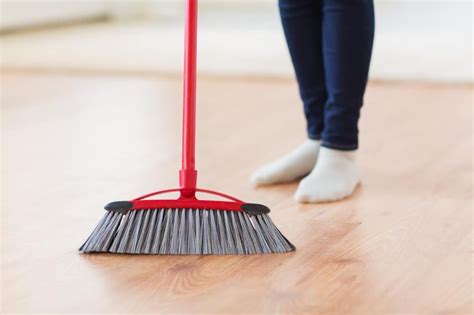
(348, 32)
(302, 25)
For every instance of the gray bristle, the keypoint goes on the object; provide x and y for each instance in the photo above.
(186, 232)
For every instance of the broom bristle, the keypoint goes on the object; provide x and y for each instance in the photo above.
(186, 232)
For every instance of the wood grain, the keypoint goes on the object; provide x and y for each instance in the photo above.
(401, 245)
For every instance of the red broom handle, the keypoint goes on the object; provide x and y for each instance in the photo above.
(188, 174)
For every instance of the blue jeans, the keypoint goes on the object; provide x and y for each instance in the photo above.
(330, 44)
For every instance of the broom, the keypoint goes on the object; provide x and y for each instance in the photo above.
(187, 225)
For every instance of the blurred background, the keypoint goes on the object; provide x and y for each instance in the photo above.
(415, 40)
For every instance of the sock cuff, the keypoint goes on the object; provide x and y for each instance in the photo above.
(329, 153)
(313, 141)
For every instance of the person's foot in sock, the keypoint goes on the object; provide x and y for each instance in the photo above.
(334, 177)
(294, 165)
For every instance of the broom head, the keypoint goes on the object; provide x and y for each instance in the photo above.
(186, 226)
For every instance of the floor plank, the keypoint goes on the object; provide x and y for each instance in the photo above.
(402, 244)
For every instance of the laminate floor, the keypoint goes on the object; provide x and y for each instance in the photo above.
(401, 245)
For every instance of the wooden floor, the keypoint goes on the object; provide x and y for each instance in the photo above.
(401, 245)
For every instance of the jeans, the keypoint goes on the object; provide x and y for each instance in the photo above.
(330, 43)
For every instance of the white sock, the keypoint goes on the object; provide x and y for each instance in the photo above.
(294, 165)
(334, 177)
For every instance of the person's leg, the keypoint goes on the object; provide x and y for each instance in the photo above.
(348, 31)
(302, 25)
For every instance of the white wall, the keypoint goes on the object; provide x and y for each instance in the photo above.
(19, 14)
(15, 14)
(415, 40)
